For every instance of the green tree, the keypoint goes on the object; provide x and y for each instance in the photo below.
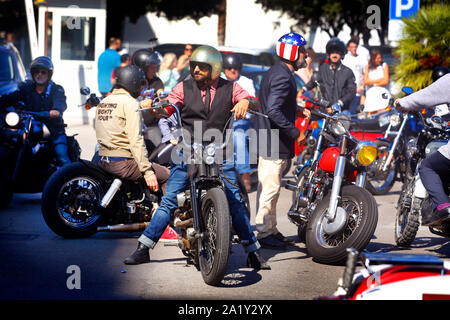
(425, 45)
(331, 16)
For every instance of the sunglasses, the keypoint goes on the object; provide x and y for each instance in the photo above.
(201, 65)
(187, 49)
(44, 72)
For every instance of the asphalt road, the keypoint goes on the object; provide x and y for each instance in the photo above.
(37, 264)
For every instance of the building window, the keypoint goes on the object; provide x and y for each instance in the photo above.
(78, 38)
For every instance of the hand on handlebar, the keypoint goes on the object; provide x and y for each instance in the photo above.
(301, 140)
(156, 112)
(398, 106)
(54, 114)
(240, 109)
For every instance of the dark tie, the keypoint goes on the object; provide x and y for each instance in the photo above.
(208, 98)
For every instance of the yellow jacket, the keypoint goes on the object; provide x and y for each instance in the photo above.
(118, 128)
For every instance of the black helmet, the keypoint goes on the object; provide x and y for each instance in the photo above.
(336, 45)
(439, 72)
(232, 60)
(131, 78)
(143, 58)
(42, 63)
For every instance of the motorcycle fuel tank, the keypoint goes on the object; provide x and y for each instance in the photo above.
(328, 159)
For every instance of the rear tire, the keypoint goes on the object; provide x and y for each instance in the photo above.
(214, 248)
(69, 201)
(361, 223)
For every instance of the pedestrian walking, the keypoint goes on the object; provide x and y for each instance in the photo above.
(107, 61)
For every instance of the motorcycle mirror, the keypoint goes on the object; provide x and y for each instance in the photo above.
(85, 91)
(407, 90)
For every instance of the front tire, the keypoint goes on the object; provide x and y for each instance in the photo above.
(407, 222)
(362, 218)
(215, 246)
(380, 183)
(69, 201)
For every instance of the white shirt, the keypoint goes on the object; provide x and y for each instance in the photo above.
(357, 64)
(363, 53)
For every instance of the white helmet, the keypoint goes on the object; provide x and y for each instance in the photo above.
(377, 98)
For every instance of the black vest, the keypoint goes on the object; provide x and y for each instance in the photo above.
(195, 111)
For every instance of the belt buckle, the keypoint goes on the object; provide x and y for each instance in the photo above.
(105, 159)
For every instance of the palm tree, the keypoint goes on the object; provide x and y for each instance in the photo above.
(425, 45)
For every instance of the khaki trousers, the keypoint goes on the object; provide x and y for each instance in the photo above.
(269, 186)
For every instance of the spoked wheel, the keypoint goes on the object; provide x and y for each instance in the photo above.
(354, 226)
(215, 244)
(381, 182)
(69, 201)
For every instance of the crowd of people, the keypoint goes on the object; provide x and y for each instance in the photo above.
(208, 88)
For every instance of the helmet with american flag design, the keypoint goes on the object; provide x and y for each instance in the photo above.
(287, 46)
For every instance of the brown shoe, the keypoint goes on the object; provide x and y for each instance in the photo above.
(246, 179)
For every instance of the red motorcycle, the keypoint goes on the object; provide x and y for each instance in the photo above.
(331, 208)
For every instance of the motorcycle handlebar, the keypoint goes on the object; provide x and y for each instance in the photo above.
(318, 102)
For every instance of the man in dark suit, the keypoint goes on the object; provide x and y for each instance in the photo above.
(278, 100)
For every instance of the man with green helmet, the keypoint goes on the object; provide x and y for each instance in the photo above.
(208, 101)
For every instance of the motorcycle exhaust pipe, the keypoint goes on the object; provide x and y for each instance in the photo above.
(115, 186)
(291, 185)
(125, 227)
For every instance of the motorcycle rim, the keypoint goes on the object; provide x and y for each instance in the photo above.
(377, 185)
(75, 200)
(353, 212)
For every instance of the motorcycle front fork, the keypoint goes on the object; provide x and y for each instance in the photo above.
(339, 171)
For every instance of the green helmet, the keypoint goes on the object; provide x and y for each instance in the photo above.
(210, 56)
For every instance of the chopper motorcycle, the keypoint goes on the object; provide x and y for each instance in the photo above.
(331, 208)
(414, 202)
(27, 158)
(82, 198)
(203, 216)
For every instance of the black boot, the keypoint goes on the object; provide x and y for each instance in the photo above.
(437, 217)
(256, 261)
(141, 255)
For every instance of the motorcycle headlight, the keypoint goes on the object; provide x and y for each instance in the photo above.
(197, 148)
(337, 128)
(395, 119)
(12, 119)
(210, 152)
(366, 153)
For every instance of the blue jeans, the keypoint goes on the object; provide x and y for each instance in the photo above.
(179, 182)
(241, 154)
(434, 173)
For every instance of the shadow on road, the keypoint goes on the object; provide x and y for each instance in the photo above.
(437, 245)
